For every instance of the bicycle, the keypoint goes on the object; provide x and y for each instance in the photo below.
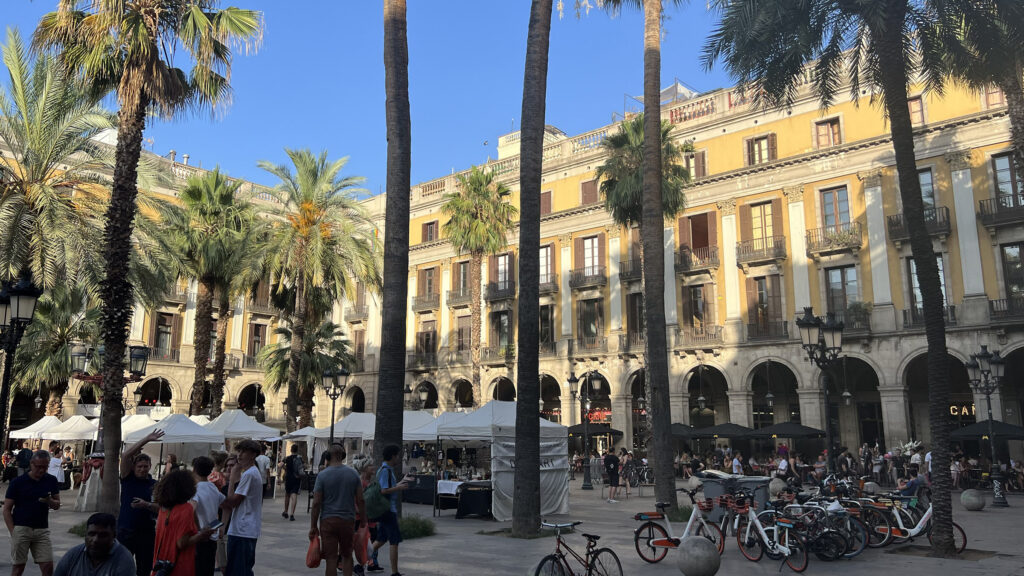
(780, 540)
(653, 541)
(595, 561)
(904, 533)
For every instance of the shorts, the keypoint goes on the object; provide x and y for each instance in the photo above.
(336, 537)
(613, 479)
(387, 529)
(36, 540)
(291, 485)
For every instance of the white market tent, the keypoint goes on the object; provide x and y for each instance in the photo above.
(34, 431)
(413, 420)
(177, 429)
(428, 432)
(302, 434)
(238, 424)
(357, 425)
(77, 427)
(201, 419)
(495, 423)
(134, 422)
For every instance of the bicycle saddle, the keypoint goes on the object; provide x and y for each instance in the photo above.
(661, 505)
(591, 537)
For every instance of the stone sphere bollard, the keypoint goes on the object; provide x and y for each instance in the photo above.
(775, 486)
(972, 500)
(872, 488)
(698, 556)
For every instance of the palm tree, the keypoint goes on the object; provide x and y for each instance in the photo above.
(64, 316)
(652, 242)
(323, 348)
(321, 239)
(479, 220)
(130, 48)
(526, 499)
(767, 47)
(391, 381)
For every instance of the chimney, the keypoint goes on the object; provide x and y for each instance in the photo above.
(172, 154)
(184, 159)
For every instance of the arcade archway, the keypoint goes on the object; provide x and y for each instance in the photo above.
(252, 401)
(550, 398)
(462, 390)
(424, 396)
(709, 398)
(960, 396)
(356, 400)
(504, 390)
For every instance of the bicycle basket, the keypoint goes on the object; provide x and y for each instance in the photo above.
(741, 507)
(706, 505)
(724, 501)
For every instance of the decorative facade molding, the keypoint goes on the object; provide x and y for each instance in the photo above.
(871, 178)
(612, 231)
(727, 207)
(445, 263)
(959, 160)
(565, 239)
(794, 193)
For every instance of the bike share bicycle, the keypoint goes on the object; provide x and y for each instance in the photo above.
(653, 541)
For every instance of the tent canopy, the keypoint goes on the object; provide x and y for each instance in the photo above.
(177, 428)
(77, 427)
(428, 432)
(201, 419)
(134, 422)
(238, 424)
(494, 419)
(1001, 430)
(727, 430)
(682, 430)
(356, 425)
(412, 420)
(34, 431)
(787, 430)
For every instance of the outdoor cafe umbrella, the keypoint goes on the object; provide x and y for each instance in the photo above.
(727, 430)
(787, 430)
(682, 430)
(1001, 430)
(594, 430)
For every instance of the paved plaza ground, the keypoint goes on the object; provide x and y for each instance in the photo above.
(460, 546)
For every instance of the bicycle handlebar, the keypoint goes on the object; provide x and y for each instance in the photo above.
(561, 526)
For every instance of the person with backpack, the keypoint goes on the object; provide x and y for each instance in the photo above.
(387, 523)
(337, 512)
(293, 469)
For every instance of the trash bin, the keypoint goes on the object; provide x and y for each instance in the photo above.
(759, 486)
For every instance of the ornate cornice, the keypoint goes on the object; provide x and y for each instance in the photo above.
(565, 239)
(727, 207)
(871, 178)
(612, 231)
(959, 160)
(794, 193)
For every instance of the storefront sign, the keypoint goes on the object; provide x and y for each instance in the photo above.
(961, 409)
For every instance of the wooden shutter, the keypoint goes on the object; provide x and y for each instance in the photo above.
(685, 238)
(699, 165)
(579, 319)
(250, 344)
(773, 148)
(746, 227)
(709, 304)
(776, 218)
(359, 342)
(713, 228)
(421, 280)
(577, 253)
(774, 297)
(751, 301)
(175, 331)
(512, 267)
(687, 306)
(590, 192)
(492, 268)
(635, 245)
(545, 202)
(601, 249)
(750, 152)
(360, 294)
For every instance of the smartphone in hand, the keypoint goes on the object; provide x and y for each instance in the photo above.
(215, 525)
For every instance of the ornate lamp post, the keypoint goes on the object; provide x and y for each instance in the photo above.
(823, 341)
(986, 371)
(136, 359)
(584, 396)
(17, 305)
(334, 381)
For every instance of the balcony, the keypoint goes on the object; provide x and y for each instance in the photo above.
(501, 290)
(547, 348)
(588, 277)
(161, 355)
(589, 345)
(699, 337)
(426, 302)
(459, 298)
(250, 362)
(768, 330)
(630, 269)
(421, 361)
(261, 306)
(845, 237)
(690, 261)
(761, 250)
(357, 313)
(548, 283)
(458, 357)
(855, 322)
(498, 354)
(1002, 210)
(177, 293)
(1007, 311)
(632, 342)
(936, 222)
(232, 362)
(913, 318)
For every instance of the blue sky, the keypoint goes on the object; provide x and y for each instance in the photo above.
(318, 81)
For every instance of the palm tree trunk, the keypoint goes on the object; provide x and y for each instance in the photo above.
(526, 496)
(295, 360)
(204, 325)
(1011, 87)
(55, 402)
(223, 319)
(651, 234)
(476, 322)
(306, 409)
(891, 58)
(116, 291)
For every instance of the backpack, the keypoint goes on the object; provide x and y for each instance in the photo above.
(24, 458)
(291, 464)
(376, 503)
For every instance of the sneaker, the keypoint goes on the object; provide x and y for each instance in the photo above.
(374, 567)
(357, 569)
(613, 501)
(284, 515)
(292, 518)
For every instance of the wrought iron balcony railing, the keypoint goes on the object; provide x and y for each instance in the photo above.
(357, 313)
(913, 318)
(631, 269)
(498, 354)
(936, 222)
(632, 342)
(699, 336)
(768, 330)
(1002, 210)
(1007, 309)
(547, 348)
(425, 302)
(421, 360)
(588, 276)
(165, 355)
(589, 344)
(844, 237)
(459, 297)
(696, 260)
(761, 249)
(548, 283)
(501, 290)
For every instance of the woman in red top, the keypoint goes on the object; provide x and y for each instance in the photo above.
(177, 531)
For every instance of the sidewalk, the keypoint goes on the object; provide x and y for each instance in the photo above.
(460, 548)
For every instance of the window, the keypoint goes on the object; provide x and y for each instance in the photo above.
(545, 202)
(430, 231)
(635, 313)
(359, 343)
(546, 264)
(1013, 270)
(429, 284)
(994, 97)
(360, 299)
(547, 324)
(591, 255)
(842, 288)
(462, 278)
(697, 164)
(591, 318)
(162, 342)
(761, 150)
(501, 329)
(835, 207)
(761, 222)
(916, 106)
(503, 268)
(213, 345)
(915, 289)
(1007, 181)
(257, 338)
(589, 193)
(464, 333)
(827, 133)
(697, 307)
(927, 192)
(764, 300)
(426, 338)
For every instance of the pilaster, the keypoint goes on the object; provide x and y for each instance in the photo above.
(895, 417)
(237, 325)
(135, 332)
(565, 271)
(974, 308)
(410, 326)
(733, 332)
(446, 286)
(798, 246)
(741, 407)
(614, 285)
(811, 403)
(883, 313)
(671, 311)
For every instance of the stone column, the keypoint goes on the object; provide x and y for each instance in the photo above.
(188, 330)
(733, 321)
(883, 313)
(812, 402)
(895, 418)
(446, 285)
(570, 410)
(410, 325)
(798, 247)
(237, 327)
(679, 403)
(981, 407)
(671, 310)
(622, 419)
(564, 290)
(974, 308)
(741, 407)
(614, 285)
(484, 332)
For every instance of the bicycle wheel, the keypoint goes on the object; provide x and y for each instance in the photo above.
(643, 538)
(772, 533)
(713, 533)
(604, 562)
(857, 535)
(908, 523)
(829, 546)
(878, 525)
(551, 565)
(749, 542)
(797, 559)
(959, 538)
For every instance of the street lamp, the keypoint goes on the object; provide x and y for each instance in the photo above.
(823, 341)
(334, 389)
(136, 359)
(986, 371)
(17, 305)
(584, 396)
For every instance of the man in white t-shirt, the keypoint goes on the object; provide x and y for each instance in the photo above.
(207, 504)
(263, 463)
(737, 463)
(783, 468)
(56, 468)
(245, 500)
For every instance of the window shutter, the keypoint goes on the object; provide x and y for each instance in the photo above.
(545, 202)
(773, 148)
(709, 305)
(687, 306)
(635, 245)
(750, 152)
(746, 227)
(423, 232)
(751, 301)
(713, 228)
(512, 275)
(700, 165)
(154, 319)
(577, 253)
(774, 297)
(601, 249)
(837, 133)
(599, 308)
(492, 268)
(579, 319)
(421, 281)
(590, 192)
(777, 217)
(175, 332)
(685, 238)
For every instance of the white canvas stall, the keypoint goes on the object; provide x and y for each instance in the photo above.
(411, 420)
(134, 422)
(238, 424)
(428, 432)
(177, 429)
(201, 419)
(356, 425)
(34, 431)
(496, 422)
(77, 427)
